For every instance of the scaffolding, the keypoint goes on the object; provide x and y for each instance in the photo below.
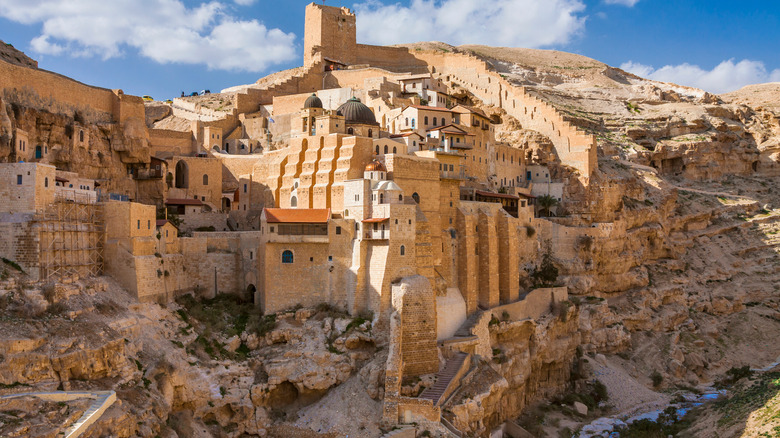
(71, 234)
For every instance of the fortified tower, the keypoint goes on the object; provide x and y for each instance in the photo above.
(330, 33)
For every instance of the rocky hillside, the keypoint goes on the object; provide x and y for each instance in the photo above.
(9, 53)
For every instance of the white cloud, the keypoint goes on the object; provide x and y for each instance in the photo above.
(726, 76)
(245, 2)
(629, 3)
(513, 23)
(163, 30)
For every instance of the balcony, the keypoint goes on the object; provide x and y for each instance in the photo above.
(376, 234)
(144, 174)
(454, 174)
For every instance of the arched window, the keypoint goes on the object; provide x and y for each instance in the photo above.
(350, 131)
(294, 201)
(426, 120)
(416, 197)
(412, 123)
(403, 250)
(377, 149)
(434, 122)
(407, 121)
(394, 149)
(81, 136)
(370, 133)
(182, 179)
(385, 148)
(287, 256)
(381, 198)
(205, 180)
(400, 197)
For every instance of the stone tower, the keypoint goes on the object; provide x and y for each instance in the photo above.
(330, 33)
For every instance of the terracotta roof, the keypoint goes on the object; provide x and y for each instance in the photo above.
(187, 201)
(430, 108)
(297, 215)
(466, 108)
(451, 129)
(496, 195)
(375, 220)
(405, 135)
(162, 222)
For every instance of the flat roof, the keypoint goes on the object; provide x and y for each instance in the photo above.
(297, 215)
(430, 108)
(183, 202)
(496, 195)
(375, 220)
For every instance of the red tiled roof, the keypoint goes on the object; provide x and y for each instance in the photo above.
(467, 108)
(405, 135)
(375, 220)
(187, 201)
(297, 215)
(496, 195)
(451, 129)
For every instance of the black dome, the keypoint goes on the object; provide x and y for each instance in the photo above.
(313, 102)
(356, 112)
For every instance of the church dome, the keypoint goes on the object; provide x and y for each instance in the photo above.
(354, 111)
(313, 102)
(375, 166)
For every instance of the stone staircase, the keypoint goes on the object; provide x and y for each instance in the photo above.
(444, 379)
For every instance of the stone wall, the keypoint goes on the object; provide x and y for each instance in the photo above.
(533, 305)
(414, 299)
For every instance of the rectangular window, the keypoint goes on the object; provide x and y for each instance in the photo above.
(244, 188)
(272, 229)
(338, 230)
(148, 224)
(139, 224)
(18, 180)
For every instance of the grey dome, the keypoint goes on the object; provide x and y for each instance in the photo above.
(313, 102)
(355, 111)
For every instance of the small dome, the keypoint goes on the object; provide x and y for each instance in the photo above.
(355, 111)
(313, 102)
(387, 186)
(375, 166)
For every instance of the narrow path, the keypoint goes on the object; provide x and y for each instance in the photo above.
(444, 378)
(103, 400)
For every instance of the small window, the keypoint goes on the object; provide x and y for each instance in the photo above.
(338, 230)
(287, 256)
(205, 180)
(330, 258)
(416, 197)
(403, 250)
(148, 224)
(272, 229)
(395, 150)
(46, 182)
(166, 233)
(18, 180)
(400, 198)
(251, 255)
(311, 259)
(385, 149)
(139, 224)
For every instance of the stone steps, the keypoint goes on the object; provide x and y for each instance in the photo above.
(465, 330)
(444, 378)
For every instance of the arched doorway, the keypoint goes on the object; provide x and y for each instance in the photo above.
(182, 177)
(225, 204)
(250, 293)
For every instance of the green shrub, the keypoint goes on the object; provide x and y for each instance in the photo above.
(657, 378)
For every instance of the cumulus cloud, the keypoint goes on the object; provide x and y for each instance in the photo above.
(629, 3)
(163, 30)
(513, 23)
(726, 76)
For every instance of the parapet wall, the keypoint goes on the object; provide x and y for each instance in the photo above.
(574, 147)
(53, 92)
(532, 306)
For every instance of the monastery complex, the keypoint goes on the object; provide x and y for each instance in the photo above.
(370, 179)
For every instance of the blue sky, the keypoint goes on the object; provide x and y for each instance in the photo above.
(163, 47)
